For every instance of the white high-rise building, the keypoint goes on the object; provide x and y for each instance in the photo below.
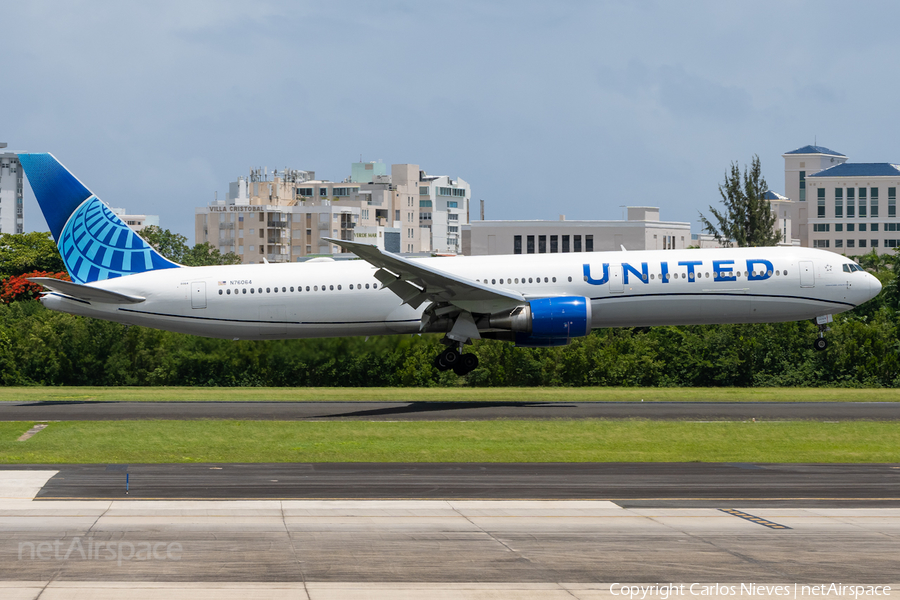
(11, 209)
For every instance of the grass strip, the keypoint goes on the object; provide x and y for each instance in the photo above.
(530, 394)
(473, 441)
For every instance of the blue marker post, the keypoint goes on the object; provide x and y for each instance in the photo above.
(126, 484)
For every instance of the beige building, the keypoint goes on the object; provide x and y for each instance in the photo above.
(286, 218)
(641, 231)
(849, 208)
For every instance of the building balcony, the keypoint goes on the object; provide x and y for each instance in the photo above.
(226, 226)
(277, 257)
(280, 223)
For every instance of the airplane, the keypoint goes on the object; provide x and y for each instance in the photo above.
(531, 300)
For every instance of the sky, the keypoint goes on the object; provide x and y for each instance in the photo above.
(545, 108)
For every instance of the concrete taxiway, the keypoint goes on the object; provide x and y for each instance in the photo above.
(449, 411)
(422, 548)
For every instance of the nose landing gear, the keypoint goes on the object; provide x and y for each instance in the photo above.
(820, 342)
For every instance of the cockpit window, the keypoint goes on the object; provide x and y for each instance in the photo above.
(851, 267)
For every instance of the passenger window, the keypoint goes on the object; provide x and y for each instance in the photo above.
(554, 280)
(529, 280)
(374, 286)
(245, 290)
(221, 292)
(260, 290)
(316, 288)
(339, 288)
(570, 278)
(307, 288)
(331, 287)
(268, 290)
(493, 281)
(351, 286)
(367, 286)
(275, 290)
(545, 280)
(229, 292)
(252, 290)
(284, 289)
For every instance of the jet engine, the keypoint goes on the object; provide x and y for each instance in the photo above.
(544, 322)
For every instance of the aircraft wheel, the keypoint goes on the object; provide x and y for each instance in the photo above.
(467, 363)
(446, 360)
(820, 344)
(450, 357)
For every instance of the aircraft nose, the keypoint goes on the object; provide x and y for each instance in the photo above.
(874, 285)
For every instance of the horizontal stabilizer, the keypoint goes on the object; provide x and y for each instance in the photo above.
(85, 292)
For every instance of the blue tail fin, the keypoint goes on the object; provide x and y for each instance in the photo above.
(94, 243)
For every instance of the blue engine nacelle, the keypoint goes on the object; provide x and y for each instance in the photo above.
(548, 321)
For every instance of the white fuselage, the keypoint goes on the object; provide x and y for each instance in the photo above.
(343, 298)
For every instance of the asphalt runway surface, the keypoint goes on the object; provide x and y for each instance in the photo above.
(701, 485)
(449, 411)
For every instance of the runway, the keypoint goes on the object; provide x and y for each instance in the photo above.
(450, 411)
(696, 485)
(444, 549)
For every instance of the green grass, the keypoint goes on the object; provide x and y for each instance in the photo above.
(590, 394)
(481, 441)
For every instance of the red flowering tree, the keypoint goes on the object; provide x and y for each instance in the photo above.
(17, 287)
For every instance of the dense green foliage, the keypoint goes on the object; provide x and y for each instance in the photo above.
(26, 252)
(747, 218)
(174, 247)
(38, 346)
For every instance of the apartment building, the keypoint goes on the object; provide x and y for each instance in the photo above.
(286, 217)
(12, 218)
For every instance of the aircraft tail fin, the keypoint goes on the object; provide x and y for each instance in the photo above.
(94, 243)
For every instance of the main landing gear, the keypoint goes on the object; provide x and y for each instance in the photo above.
(820, 342)
(454, 358)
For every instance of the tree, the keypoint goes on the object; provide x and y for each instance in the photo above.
(748, 219)
(16, 288)
(26, 252)
(174, 247)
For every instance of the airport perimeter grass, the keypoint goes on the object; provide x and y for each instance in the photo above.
(450, 441)
(529, 394)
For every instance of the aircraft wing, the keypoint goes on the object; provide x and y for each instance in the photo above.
(416, 283)
(85, 293)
